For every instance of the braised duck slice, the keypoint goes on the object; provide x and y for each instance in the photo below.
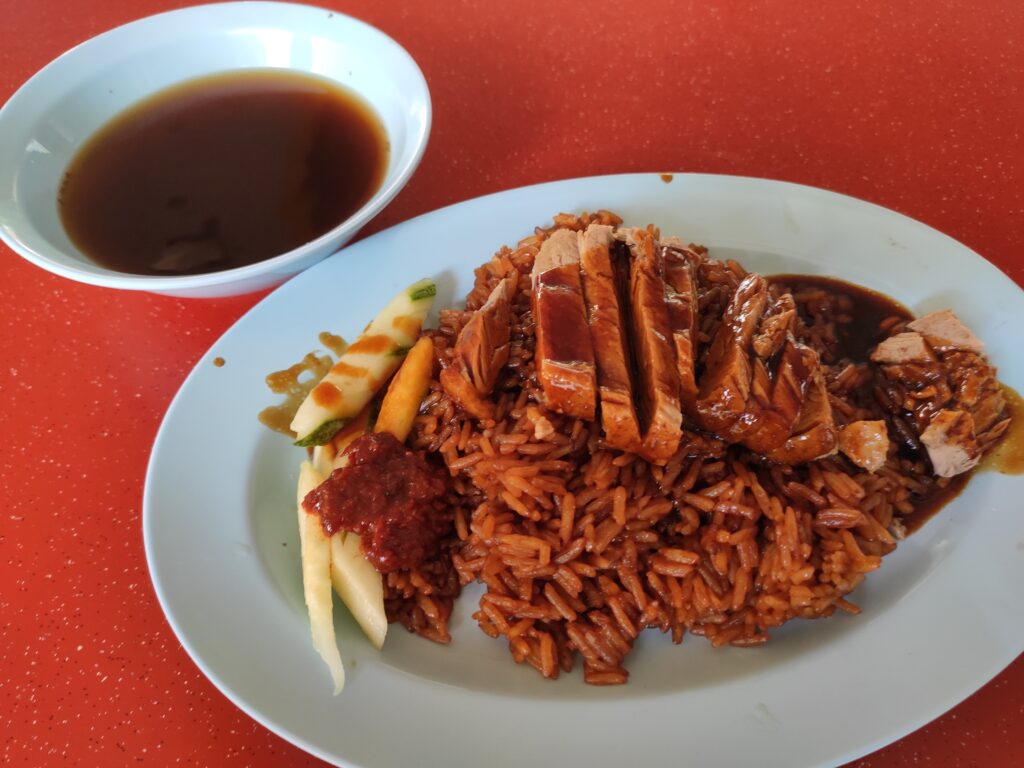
(681, 298)
(975, 389)
(944, 330)
(951, 442)
(481, 351)
(779, 403)
(990, 415)
(725, 384)
(814, 435)
(778, 320)
(483, 343)
(560, 249)
(608, 336)
(651, 337)
(903, 348)
(564, 353)
(781, 369)
(455, 382)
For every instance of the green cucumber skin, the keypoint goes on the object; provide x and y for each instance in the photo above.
(425, 292)
(322, 434)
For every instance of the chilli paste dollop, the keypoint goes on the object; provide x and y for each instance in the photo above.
(393, 498)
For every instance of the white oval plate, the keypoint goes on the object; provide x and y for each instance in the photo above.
(941, 617)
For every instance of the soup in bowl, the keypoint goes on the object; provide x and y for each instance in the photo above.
(210, 151)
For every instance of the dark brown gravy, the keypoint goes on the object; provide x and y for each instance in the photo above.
(872, 312)
(926, 508)
(221, 172)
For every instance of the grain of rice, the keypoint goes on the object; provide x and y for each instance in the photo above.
(700, 502)
(839, 517)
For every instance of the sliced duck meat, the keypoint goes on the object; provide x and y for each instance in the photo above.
(651, 337)
(681, 298)
(909, 363)
(483, 343)
(724, 386)
(608, 336)
(936, 382)
(778, 401)
(455, 381)
(951, 443)
(865, 443)
(560, 249)
(759, 386)
(564, 353)
(481, 351)
(779, 320)
(975, 389)
(944, 330)
(903, 348)
(815, 435)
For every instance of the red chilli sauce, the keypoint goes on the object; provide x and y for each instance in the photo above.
(393, 498)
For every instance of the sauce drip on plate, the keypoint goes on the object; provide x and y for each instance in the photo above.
(1008, 456)
(294, 384)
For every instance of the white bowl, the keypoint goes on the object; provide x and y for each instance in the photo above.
(62, 105)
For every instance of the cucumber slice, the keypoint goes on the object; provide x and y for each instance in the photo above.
(365, 367)
(359, 585)
(316, 579)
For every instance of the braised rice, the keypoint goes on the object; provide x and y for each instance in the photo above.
(581, 547)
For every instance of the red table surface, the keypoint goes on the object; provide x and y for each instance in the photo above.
(917, 106)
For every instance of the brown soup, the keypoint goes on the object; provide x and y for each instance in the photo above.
(221, 172)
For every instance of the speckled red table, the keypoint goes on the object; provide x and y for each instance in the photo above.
(917, 106)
